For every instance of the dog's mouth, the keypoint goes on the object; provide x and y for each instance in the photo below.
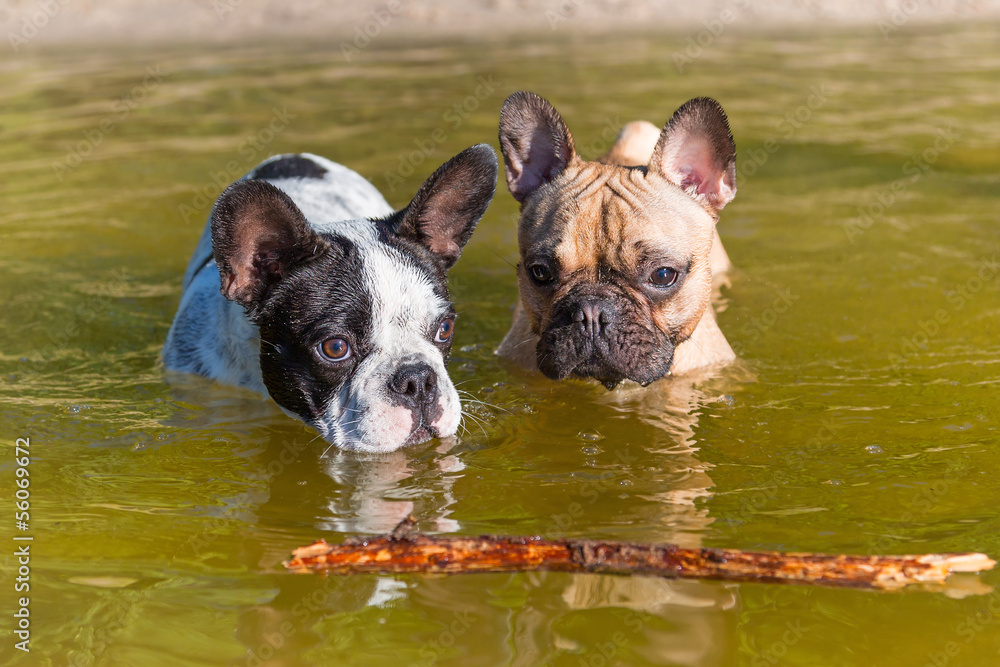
(422, 433)
(599, 371)
(561, 353)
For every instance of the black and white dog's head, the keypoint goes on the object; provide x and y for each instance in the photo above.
(355, 319)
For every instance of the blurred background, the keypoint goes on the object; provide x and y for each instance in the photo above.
(214, 21)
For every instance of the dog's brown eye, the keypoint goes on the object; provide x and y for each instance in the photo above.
(540, 273)
(445, 331)
(663, 277)
(336, 349)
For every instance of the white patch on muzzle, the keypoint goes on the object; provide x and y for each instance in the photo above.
(405, 316)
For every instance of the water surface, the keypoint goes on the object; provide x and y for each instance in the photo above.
(863, 416)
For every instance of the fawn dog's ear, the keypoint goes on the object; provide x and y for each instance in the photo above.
(535, 142)
(696, 152)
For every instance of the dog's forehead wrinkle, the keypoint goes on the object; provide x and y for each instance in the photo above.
(595, 184)
(628, 189)
(575, 182)
(599, 234)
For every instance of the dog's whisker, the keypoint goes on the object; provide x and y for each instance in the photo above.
(504, 259)
(526, 340)
(474, 421)
(475, 401)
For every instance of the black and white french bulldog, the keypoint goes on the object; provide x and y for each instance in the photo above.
(331, 303)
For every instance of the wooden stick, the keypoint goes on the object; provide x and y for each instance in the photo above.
(403, 551)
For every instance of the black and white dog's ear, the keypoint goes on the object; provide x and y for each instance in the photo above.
(448, 206)
(535, 142)
(258, 236)
(696, 152)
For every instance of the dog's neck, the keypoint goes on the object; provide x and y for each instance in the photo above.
(706, 347)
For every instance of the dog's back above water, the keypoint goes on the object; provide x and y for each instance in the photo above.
(307, 287)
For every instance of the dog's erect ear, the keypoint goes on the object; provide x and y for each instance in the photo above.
(258, 236)
(448, 206)
(535, 142)
(696, 151)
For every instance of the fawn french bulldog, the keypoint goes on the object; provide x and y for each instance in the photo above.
(617, 255)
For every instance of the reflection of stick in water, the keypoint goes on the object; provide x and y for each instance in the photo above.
(404, 552)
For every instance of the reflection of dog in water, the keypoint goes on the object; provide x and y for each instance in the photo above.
(527, 618)
(665, 621)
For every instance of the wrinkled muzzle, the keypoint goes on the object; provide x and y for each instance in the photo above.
(602, 336)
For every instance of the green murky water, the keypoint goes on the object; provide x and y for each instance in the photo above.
(864, 306)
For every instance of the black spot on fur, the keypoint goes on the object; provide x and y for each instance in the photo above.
(293, 166)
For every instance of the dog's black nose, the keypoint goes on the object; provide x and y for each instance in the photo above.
(415, 385)
(594, 316)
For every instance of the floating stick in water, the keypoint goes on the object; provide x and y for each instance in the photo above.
(403, 551)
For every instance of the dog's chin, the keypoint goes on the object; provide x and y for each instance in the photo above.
(418, 436)
(421, 434)
(387, 442)
(598, 371)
